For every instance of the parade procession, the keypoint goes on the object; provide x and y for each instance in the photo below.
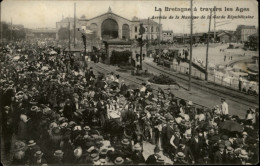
(120, 83)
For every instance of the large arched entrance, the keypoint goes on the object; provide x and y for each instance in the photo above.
(109, 29)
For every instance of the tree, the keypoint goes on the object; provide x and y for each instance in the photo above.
(63, 34)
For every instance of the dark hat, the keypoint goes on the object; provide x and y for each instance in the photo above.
(221, 145)
(177, 129)
(224, 137)
(157, 149)
(55, 131)
(183, 142)
(19, 146)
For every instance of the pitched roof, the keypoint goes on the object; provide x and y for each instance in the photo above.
(165, 31)
(146, 21)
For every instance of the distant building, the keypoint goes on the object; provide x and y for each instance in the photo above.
(112, 26)
(244, 31)
(43, 33)
(151, 29)
(225, 36)
(167, 35)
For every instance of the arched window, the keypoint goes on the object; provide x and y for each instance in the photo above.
(125, 31)
(109, 29)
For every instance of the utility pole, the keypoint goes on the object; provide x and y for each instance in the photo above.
(148, 41)
(214, 24)
(11, 30)
(69, 36)
(1, 25)
(191, 26)
(149, 37)
(160, 33)
(74, 24)
(207, 53)
(141, 32)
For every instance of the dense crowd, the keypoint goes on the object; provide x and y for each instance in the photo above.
(56, 111)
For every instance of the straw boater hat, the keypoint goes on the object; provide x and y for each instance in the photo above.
(190, 103)
(137, 147)
(58, 153)
(78, 152)
(229, 149)
(160, 160)
(94, 156)
(87, 128)
(125, 142)
(244, 133)
(243, 154)
(103, 151)
(31, 143)
(34, 108)
(102, 161)
(63, 125)
(180, 155)
(119, 161)
(38, 153)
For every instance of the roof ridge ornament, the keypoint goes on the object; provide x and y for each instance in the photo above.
(109, 10)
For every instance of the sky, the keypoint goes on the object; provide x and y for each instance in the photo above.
(45, 13)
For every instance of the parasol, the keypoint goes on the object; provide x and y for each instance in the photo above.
(231, 125)
(16, 58)
(52, 52)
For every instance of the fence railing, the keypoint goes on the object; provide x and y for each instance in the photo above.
(229, 82)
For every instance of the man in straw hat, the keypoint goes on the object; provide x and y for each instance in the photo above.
(151, 160)
(119, 161)
(180, 158)
(57, 157)
(137, 156)
(219, 155)
(38, 159)
(126, 149)
(186, 150)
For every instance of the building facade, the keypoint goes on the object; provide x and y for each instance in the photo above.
(112, 26)
(167, 35)
(244, 31)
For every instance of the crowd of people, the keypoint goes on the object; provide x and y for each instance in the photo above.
(56, 111)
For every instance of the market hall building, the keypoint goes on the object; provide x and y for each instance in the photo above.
(109, 26)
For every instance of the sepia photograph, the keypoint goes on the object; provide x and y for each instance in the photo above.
(129, 82)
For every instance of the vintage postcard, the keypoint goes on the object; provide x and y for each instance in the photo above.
(122, 82)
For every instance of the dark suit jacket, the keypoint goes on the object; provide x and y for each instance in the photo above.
(218, 158)
(188, 154)
(151, 159)
(196, 148)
